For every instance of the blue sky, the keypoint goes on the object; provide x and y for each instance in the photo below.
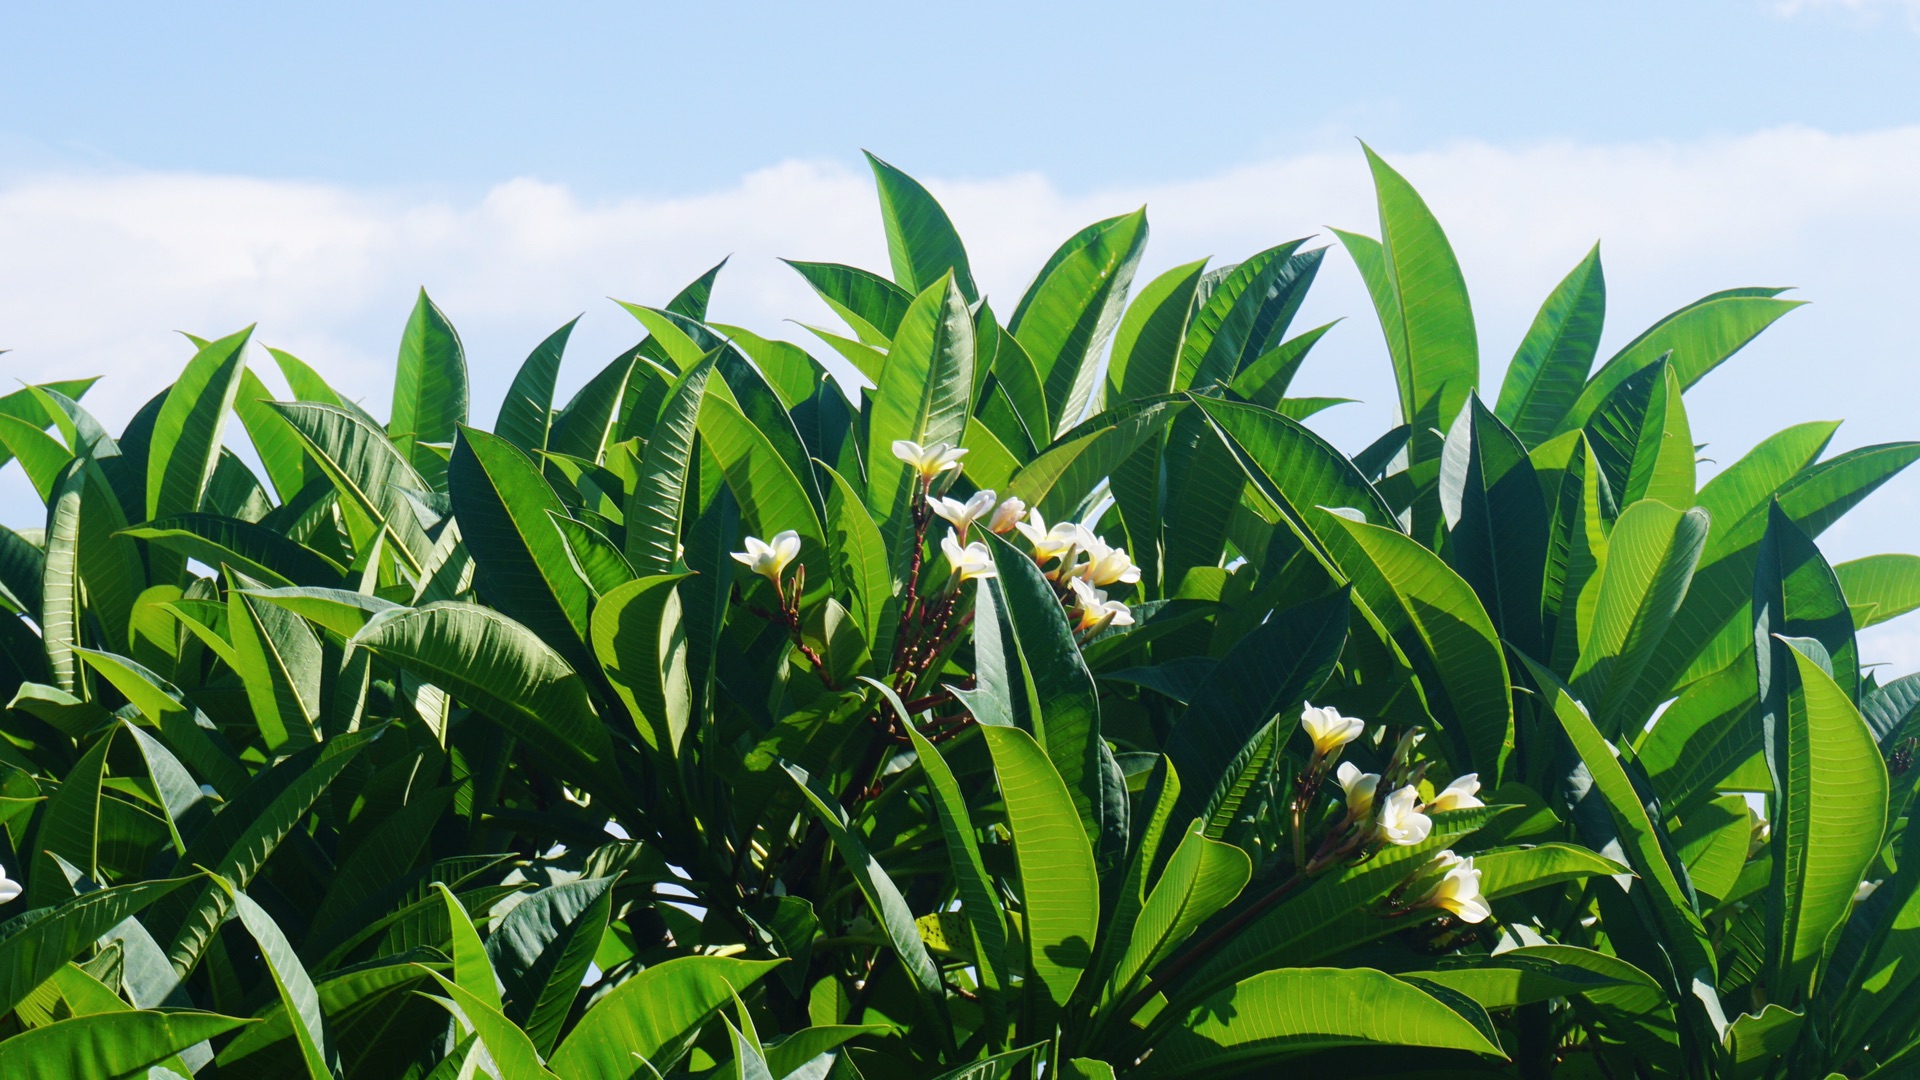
(307, 167)
(670, 98)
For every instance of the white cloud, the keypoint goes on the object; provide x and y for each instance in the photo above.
(100, 265)
(1867, 11)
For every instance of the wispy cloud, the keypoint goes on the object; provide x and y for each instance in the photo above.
(101, 265)
(1866, 11)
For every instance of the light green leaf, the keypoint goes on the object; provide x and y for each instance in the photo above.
(1064, 319)
(1880, 587)
(1279, 1014)
(36, 948)
(1699, 337)
(1550, 368)
(108, 1044)
(1439, 623)
(923, 397)
(654, 508)
(185, 445)
(1203, 877)
(658, 1009)
(429, 385)
(1649, 565)
(642, 646)
(541, 950)
(1146, 347)
(1058, 883)
(921, 240)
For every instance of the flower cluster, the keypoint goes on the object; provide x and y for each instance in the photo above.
(1399, 817)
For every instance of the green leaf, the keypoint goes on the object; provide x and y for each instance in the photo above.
(429, 385)
(1830, 794)
(1757, 1041)
(1429, 326)
(1269, 672)
(870, 304)
(187, 731)
(641, 642)
(1280, 1014)
(1699, 337)
(1265, 381)
(1439, 623)
(541, 950)
(1880, 587)
(659, 1009)
(526, 414)
(1064, 319)
(859, 559)
(654, 508)
(921, 240)
(1242, 312)
(512, 1052)
(1534, 973)
(186, 435)
(978, 902)
(1062, 702)
(242, 836)
(273, 440)
(520, 559)
(506, 672)
(882, 895)
(40, 945)
(590, 421)
(472, 968)
(40, 455)
(922, 397)
(373, 479)
(1674, 922)
(1146, 347)
(1649, 565)
(1642, 440)
(1293, 468)
(70, 825)
(1509, 871)
(254, 550)
(1550, 368)
(108, 1044)
(280, 666)
(1497, 524)
(1743, 488)
(1058, 884)
(290, 978)
(1203, 877)
(1331, 915)
(340, 610)
(771, 494)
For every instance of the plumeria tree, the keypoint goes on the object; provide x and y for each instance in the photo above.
(1031, 692)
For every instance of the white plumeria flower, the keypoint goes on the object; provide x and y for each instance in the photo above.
(1401, 821)
(1461, 794)
(972, 561)
(1328, 729)
(1107, 565)
(1058, 542)
(1095, 611)
(1359, 787)
(1006, 517)
(9, 889)
(769, 560)
(962, 515)
(1865, 890)
(1458, 889)
(928, 461)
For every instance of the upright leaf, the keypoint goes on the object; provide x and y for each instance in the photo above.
(429, 385)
